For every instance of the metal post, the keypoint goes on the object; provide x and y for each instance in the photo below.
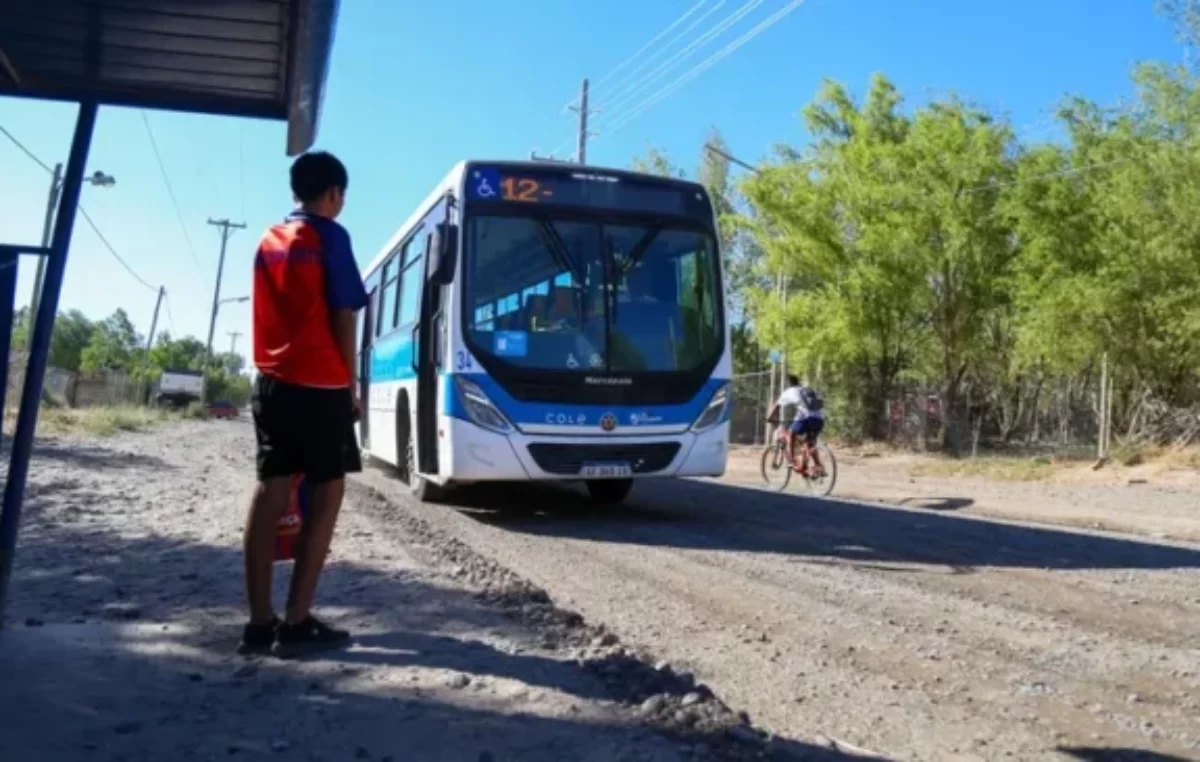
(8, 298)
(233, 337)
(581, 154)
(162, 292)
(1102, 404)
(47, 229)
(43, 325)
(226, 228)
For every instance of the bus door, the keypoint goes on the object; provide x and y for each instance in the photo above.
(366, 331)
(427, 353)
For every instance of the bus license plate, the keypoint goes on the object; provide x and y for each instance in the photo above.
(616, 470)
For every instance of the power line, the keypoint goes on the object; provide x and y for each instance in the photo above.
(1056, 173)
(615, 103)
(704, 65)
(91, 223)
(162, 168)
(656, 38)
(83, 212)
(170, 317)
(25, 150)
(663, 48)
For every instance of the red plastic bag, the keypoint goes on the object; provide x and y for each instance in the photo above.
(287, 529)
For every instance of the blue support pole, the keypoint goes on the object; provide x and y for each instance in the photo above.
(8, 299)
(39, 347)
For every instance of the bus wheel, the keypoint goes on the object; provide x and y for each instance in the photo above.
(609, 491)
(423, 490)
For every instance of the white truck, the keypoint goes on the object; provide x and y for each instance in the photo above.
(178, 388)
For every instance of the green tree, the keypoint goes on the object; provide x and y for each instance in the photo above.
(177, 354)
(114, 345)
(72, 332)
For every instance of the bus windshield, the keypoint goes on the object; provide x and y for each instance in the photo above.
(559, 294)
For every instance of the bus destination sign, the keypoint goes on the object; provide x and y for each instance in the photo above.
(524, 185)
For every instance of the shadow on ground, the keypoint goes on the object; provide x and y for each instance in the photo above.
(90, 456)
(937, 503)
(1088, 754)
(121, 648)
(716, 516)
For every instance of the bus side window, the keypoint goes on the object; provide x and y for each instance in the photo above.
(410, 291)
(384, 317)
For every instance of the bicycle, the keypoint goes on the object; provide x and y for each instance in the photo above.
(818, 479)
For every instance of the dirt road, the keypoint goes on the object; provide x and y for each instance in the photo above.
(919, 634)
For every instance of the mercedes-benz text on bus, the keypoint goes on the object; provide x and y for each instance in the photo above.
(542, 321)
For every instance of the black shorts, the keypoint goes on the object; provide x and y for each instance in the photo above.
(302, 430)
(809, 428)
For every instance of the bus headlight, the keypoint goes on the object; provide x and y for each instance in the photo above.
(715, 412)
(479, 408)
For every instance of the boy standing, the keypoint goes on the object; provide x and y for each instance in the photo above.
(306, 292)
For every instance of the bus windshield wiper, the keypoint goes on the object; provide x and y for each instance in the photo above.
(558, 248)
(635, 255)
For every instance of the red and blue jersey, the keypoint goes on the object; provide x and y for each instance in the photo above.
(304, 269)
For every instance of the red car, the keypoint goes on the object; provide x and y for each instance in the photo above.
(221, 409)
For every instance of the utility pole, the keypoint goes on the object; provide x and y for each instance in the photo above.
(227, 229)
(97, 178)
(583, 111)
(47, 230)
(233, 337)
(162, 292)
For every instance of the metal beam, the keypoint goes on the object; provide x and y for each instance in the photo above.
(39, 348)
(6, 65)
(12, 249)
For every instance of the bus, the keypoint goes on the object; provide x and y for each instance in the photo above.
(552, 322)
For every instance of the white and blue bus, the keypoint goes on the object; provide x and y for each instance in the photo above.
(548, 321)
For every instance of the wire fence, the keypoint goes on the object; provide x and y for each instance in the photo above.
(751, 402)
(71, 389)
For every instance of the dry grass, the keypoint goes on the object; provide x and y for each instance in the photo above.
(1041, 468)
(995, 468)
(100, 421)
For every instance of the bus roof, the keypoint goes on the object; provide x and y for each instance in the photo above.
(454, 179)
(449, 183)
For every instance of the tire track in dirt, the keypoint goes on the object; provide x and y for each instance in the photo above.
(930, 637)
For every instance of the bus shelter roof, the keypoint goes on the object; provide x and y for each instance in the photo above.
(250, 58)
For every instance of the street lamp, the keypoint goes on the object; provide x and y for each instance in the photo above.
(234, 299)
(98, 179)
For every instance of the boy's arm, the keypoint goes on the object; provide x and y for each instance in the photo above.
(346, 295)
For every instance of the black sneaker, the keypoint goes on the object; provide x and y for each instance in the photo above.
(258, 638)
(305, 637)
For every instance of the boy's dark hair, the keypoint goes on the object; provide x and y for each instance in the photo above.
(314, 173)
(793, 380)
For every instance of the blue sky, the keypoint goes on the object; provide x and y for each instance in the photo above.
(415, 87)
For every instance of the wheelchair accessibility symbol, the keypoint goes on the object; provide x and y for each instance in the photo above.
(483, 188)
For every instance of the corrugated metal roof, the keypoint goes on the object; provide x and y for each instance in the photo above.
(262, 58)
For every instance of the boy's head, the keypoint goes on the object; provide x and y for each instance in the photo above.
(319, 183)
(793, 380)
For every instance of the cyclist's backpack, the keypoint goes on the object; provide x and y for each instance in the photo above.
(811, 399)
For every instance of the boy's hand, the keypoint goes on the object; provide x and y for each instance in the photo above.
(355, 404)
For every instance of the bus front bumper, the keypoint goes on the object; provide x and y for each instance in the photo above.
(475, 454)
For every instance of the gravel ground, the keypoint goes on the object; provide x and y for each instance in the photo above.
(704, 620)
(1148, 500)
(125, 610)
(921, 634)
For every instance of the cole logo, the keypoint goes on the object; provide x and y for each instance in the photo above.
(608, 422)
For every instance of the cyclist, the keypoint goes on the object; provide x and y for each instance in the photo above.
(808, 420)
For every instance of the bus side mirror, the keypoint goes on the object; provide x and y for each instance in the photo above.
(443, 246)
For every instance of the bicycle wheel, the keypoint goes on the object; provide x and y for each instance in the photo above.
(776, 470)
(823, 485)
